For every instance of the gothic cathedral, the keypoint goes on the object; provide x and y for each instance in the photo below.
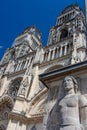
(44, 88)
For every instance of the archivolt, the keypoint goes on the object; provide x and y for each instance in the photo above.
(38, 103)
(8, 100)
(2, 127)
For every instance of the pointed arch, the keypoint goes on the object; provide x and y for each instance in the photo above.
(38, 103)
(6, 105)
(8, 100)
(53, 67)
(13, 87)
(2, 127)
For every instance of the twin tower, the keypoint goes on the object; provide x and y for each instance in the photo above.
(31, 74)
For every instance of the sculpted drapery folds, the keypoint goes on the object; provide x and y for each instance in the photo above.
(70, 111)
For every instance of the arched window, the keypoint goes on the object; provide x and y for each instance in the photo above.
(2, 127)
(6, 106)
(14, 87)
(64, 33)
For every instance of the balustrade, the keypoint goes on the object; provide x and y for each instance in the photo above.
(56, 52)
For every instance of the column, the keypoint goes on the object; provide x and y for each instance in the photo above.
(28, 67)
(61, 51)
(9, 125)
(17, 126)
(68, 48)
(17, 68)
(53, 55)
(65, 50)
(46, 56)
(29, 62)
(26, 63)
(57, 52)
(13, 125)
(49, 55)
(20, 65)
(23, 127)
(42, 57)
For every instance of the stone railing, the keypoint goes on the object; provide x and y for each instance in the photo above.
(23, 64)
(56, 52)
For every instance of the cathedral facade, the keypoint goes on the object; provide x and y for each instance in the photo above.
(31, 75)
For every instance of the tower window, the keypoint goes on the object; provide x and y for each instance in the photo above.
(64, 33)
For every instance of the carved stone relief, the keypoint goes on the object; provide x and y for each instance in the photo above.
(70, 110)
(76, 58)
(26, 82)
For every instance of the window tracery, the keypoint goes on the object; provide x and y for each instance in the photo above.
(14, 87)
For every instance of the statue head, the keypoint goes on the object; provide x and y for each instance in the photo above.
(69, 83)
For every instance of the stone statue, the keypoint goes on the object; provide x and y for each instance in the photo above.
(75, 58)
(70, 111)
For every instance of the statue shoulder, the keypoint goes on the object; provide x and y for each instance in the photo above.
(82, 100)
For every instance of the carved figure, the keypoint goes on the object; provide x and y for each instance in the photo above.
(25, 83)
(75, 56)
(70, 112)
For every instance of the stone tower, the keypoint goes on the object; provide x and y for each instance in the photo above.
(31, 74)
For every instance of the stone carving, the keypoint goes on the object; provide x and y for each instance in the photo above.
(70, 111)
(75, 56)
(27, 80)
(1, 71)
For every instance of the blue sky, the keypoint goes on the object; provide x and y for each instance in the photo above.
(16, 15)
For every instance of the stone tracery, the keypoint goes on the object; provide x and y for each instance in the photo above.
(14, 87)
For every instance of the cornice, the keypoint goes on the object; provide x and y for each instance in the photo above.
(57, 60)
(36, 118)
(68, 70)
(16, 73)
